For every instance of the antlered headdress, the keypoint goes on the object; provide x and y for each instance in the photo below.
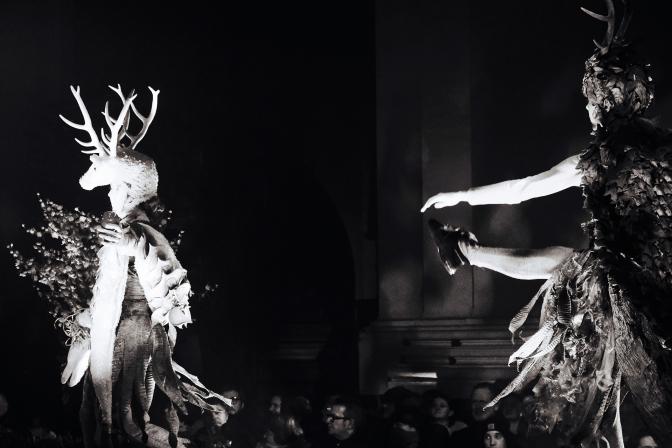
(114, 161)
(617, 79)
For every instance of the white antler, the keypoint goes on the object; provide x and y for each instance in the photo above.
(86, 126)
(117, 127)
(146, 121)
(127, 118)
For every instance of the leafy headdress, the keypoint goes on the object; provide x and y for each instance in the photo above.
(617, 80)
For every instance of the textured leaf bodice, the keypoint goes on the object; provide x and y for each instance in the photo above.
(627, 186)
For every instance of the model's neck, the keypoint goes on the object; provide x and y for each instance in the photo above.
(128, 214)
(613, 120)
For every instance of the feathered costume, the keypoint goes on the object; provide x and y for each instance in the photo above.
(604, 310)
(140, 289)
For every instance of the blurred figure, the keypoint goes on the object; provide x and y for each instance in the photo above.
(405, 431)
(283, 431)
(281, 424)
(494, 439)
(239, 429)
(436, 433)
(219, 416)
(392, 400)
(209, 430)
(481, 395)
(300, 407)
(645, 440)
(275, 406)
(440, 412)
(344, 419)
(495, 434)
(396, 397)
(41, 435)
(441, 423)
(511, 408)
(527, 407)
(306, 421)
(276, 434)
(528, 435)
(237, 402)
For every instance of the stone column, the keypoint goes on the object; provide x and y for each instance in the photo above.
(445, 95)
(423, 147)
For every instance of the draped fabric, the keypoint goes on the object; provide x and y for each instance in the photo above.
(141, 289)
(603, 311)
(105, 310)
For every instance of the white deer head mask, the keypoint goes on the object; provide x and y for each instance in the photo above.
(131, 175)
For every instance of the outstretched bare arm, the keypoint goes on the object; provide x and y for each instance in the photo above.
(524, 264)
(560, 177)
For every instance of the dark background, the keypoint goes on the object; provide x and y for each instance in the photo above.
(265, 145)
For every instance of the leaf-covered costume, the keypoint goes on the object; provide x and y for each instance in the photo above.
(602, 325)
(140, 287)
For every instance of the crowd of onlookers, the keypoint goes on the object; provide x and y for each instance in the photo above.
(399, 418)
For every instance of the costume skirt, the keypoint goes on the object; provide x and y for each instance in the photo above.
(592, 340)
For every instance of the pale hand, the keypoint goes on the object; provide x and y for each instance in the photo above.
(442, 200)
(110, 234)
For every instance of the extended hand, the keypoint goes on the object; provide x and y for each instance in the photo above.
(110, 233)
(443, 200)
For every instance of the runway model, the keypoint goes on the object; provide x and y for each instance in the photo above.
(122, 344)
(602, 323)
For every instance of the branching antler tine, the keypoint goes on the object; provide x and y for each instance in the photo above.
(118, 91)
(86, 126)
(95, 150)
(146, 121)
(86, 144)
(115, 130)
(600, 46)
(610, 18)
(595, 15)
(625, 20)
(104, 137)
(137, 113)
(72, 124)
(127, 119)
(106, 113)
